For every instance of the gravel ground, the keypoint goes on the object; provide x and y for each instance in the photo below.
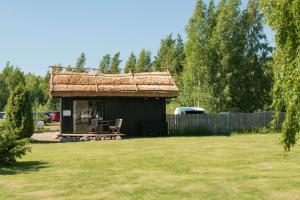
(46, 136)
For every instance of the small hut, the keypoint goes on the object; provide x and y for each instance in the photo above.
(137, 98)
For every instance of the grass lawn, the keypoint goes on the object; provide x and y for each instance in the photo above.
(235, 167)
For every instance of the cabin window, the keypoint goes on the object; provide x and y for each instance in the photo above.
(84, 112)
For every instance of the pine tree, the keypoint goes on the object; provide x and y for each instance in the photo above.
(166, 56)
(11, 147)
(19, 112)
(180, 56)
(130, 63)
(105, 64)
(80, 64)
(144, 61)
(114, 68)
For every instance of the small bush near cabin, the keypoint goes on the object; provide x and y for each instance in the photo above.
(11, 147)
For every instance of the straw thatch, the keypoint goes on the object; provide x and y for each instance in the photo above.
(148, 84)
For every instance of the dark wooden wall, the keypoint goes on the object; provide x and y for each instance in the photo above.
(141, 116)
(66, 125)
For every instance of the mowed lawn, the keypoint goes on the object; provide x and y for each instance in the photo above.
(234, 167)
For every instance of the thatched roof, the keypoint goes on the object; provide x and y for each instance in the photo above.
(147, 84)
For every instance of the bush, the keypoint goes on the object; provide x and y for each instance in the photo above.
(19, 112)
(10, 147)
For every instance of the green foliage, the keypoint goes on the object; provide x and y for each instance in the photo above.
(104, 64)
(226, 58)
(170, 55)
(144, 61)
(69, 68)
(80, 64)
(37, 87)
(19, 112)
(166, 56)
(284, 18)
(10, 146)
(114, 68)
(9, 78)
(180, 56)
(130, 63)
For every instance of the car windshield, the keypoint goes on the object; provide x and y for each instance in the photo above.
(194, 112)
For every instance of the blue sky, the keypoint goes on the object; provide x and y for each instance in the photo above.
(36, 34)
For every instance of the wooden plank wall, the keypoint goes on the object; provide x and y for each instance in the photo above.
(66, 125)
(141, 116)
(220, 123)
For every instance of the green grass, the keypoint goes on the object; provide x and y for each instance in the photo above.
(236, 167)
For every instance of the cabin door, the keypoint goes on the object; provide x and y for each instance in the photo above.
(84, 112)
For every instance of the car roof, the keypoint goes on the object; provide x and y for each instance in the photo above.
(190, 108)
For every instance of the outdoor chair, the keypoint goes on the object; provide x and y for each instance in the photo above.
(94, 126)
(116, 128)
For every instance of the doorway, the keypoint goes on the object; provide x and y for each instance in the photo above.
(84, 112)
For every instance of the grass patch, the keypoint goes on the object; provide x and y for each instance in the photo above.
(237, 167)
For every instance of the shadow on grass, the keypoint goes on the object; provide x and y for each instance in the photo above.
(43, 142)
(23, 167)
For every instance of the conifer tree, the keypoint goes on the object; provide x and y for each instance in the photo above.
(130, 63)
(179, 55)
(11, 147)
(19, 112)
(114, 68)
(144, 61)
(166, 56)
(80, 64)
(105, 64)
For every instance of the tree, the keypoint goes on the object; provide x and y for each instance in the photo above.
(114, 68)
(19, 112)
(144, 61)
(284, 18)
(10, 146)
(104, 64)
(130, 63)
(252, 83)
(81, 63)
(195, 74)
(9, 78)
(167, 55)
(226, 58)
(36, 88)
(180, 56)
(69, 68)
(3, 91)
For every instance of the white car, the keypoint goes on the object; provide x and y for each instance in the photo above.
(188, 110)
(2, 116)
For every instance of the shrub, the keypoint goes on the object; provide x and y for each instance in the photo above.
(19, 112)
(11, 147)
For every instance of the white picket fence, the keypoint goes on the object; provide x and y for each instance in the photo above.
(220, 123)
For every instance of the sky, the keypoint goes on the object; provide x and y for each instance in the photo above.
(36, 34)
